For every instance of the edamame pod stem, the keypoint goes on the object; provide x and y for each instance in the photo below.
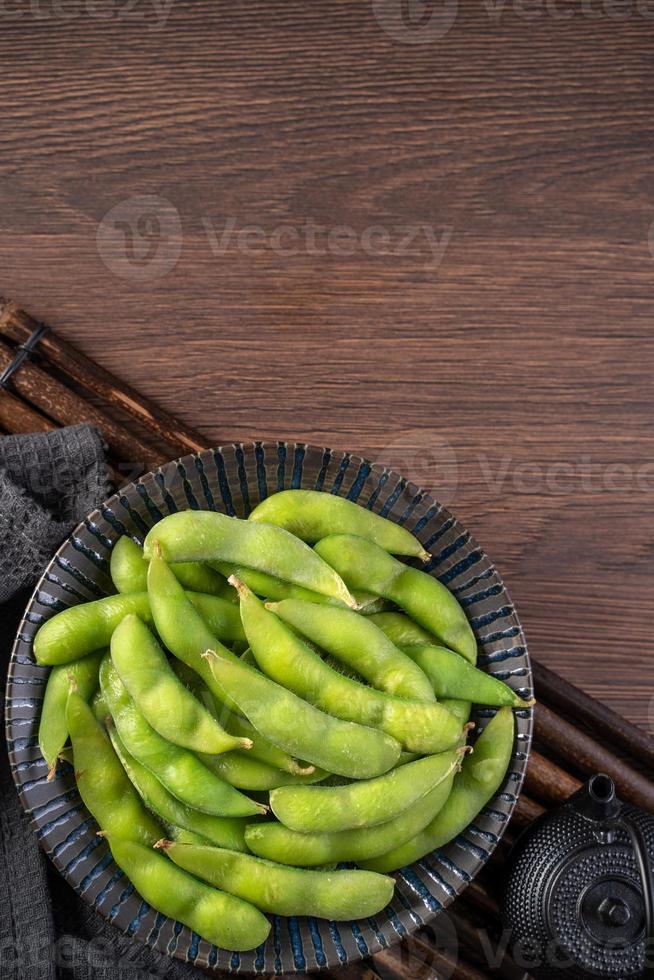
(129, 572)
(313, 514)
(274, 588)
(330, 809)
(53, 729)
(241, 771)
(422, 596)
(184, 632)
(357, 642)
(400, 630)
(197, 535)
(278, 843)
(282, 890)
(161, 697)
(221, 831)
(105, 789)
(221, 919)
(421, 726)
(341, 747)
(454, 677)
(177, 769)
(80, 630)
(481, 776)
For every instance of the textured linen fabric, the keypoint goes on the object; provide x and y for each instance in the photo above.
(48, 483)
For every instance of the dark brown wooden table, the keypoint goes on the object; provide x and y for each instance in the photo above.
(419, 232)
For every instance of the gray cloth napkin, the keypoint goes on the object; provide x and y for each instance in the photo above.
(48, 483)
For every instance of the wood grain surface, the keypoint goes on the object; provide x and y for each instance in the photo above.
(418, 231)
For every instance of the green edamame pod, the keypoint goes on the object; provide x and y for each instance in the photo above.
(181, 836)
(177, 769)
(129, 572)
(196, 535)
(454, 677)
(278, 843)
(330, 809)
(481, 776)
(260, 749)
(460, 709)
(278, 716)
(181, 627)
(105, 789)
(220, 615)
(53, 729)
(221, 831)
(80, 630)
(184, 632)
(341, 747)
(282, 890)
(269, 587)
(160, 696)
(357, 642)
(401, 630)
(422, 596)
(219, 918)
(238, 769)
(313, 514)
(421, 726)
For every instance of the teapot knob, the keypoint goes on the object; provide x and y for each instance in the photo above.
(614, 912)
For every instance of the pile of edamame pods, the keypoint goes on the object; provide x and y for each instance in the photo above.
(264, 699)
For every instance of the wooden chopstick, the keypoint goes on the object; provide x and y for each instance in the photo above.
(548, 782)
(589, 756)
(574, 703)
(18, 326)
(67, 408)
(18, 417)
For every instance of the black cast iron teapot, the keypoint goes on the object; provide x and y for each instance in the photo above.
(579, 898)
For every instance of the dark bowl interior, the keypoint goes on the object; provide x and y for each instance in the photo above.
(233, 479)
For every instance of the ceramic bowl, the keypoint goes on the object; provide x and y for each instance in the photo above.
(234, 479)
